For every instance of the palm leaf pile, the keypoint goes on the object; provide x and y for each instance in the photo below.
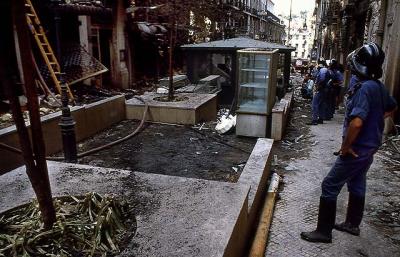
(88, 225)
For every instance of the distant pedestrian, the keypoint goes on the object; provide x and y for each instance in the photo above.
(368, 103)
(321, 78)
(339, 87)
(331, 90)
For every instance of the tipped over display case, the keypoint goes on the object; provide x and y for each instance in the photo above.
(257, 82)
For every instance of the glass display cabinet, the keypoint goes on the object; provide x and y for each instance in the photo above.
(257, 81)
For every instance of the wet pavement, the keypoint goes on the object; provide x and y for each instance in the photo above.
(297, 207)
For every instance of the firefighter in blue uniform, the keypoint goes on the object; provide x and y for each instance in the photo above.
(332, 90)
(368, 103)
(317, 106)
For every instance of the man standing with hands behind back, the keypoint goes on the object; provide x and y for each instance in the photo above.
(368, 104)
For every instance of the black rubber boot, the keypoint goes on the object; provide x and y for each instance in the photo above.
(326, 221)
(355, 210)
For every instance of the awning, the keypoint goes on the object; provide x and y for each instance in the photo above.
(82, 9)
(77, 64)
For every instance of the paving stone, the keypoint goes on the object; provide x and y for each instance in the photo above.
(297, 208)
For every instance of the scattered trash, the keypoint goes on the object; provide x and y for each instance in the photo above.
(221, 113)
(226, 124)
(290, 168)
(6, 117)
(51, 102)
(235, 169)
(298, 138)
(202, 125)
(198, 153)
(388, 153)
(315, 143)
(159, 134)
(284, 142)
(275, 159)
(304, 116)
(22, 100)
(162, 90)
(193, 139)
(44, 111)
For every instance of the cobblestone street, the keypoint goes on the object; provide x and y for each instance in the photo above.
(297, 207)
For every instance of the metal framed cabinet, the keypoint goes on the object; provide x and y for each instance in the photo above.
(257, 74)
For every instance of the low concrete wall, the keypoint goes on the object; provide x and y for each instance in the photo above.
(255, 174)
(201, 107)
(237, 243)
(222, 213)
(280, 114)
(89, 119)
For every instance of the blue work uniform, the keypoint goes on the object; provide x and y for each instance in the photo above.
(317, 102)
(367, 100)
(332, 91)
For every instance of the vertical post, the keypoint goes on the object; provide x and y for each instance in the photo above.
(33, 153)
(290, 20)
(67, 123)
(119, 62)
(171, 53)
(286, 69)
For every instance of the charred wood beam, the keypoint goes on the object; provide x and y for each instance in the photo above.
(75, 9)
(33, 151)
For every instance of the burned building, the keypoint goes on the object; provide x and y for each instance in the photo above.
(342, 26)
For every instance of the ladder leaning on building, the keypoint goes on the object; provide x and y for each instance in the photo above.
(44, 46)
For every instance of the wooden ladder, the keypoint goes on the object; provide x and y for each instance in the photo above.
(44, 46)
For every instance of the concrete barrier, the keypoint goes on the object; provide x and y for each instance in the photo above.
(201, 217)
(280, 114)
(224, 214)
(255, 174)
(201, 107)
(89, 119)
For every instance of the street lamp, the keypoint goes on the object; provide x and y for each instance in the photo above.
(67, 123)
(290, 20)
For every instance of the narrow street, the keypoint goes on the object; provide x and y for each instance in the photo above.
(303, 168)
(179, 128)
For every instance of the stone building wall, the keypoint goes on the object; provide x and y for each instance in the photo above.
(391, 46)
(372, 21)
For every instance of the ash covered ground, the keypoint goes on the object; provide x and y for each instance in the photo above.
(172, 150)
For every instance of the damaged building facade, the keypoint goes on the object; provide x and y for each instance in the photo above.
(344, 25)
(87, 38)
(199, 21)
(254, 18)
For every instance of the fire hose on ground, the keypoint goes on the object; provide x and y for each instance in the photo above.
(94, 150)
(260, 240)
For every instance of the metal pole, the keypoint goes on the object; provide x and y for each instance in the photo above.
(67, 123)
(290, 20)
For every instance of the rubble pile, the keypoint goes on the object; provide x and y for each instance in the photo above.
(52, 103)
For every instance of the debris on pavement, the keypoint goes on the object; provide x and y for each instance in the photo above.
(226, 124)
(298, 138)
(90, 225)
